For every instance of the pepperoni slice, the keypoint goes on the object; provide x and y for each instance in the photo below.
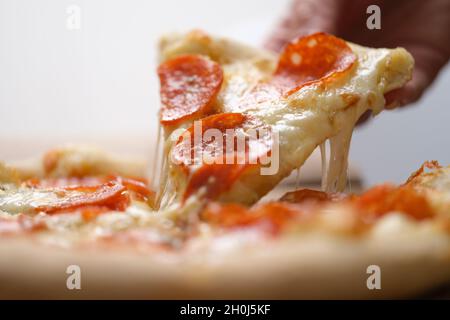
(312, 196)
(137, 186)
(217, 178)
(193, 146)
(319, 56)
(189, 85)
(312, 59)
(216, 150)
(111, 195)
(383, 199)
(271, 217)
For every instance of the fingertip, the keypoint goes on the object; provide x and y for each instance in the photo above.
(409, 94)
(274, 44)
(364, 118)
(393, 99)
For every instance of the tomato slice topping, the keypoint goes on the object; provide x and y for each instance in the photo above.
(216, 150)
(317, 57)
(189, 85)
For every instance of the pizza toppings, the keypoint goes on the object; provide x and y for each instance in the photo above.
(215, 151)
(319, 56)
(137, 186)
(272, 217)
(308, 195)
(111, 195)
(384, 199)
(65, 195)
(189, 85)
(308, 60)
(300, 206)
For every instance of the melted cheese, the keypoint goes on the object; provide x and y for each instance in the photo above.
(323, 158)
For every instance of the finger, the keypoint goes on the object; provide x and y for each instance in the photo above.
(304, 17)
(410, 93)
(364, 117)
(426, 39)
(429, 62)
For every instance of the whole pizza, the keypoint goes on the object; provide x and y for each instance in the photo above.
(234, 122)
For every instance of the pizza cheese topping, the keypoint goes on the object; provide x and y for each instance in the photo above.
(189, 85)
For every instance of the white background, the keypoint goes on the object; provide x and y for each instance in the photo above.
(57, 84)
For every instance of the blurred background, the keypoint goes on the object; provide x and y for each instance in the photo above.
(97, 83)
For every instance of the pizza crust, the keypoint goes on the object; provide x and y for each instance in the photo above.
(78, 160)
(311, 267)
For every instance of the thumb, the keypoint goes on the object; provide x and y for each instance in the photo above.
(429, 61)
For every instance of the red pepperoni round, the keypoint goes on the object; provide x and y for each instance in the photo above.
(110, 195)
(270, 217)
(189, 85)
(319, 56)
(137, 186)
(192, 146)
(225, 147)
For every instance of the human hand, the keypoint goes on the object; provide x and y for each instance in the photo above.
(420, 26)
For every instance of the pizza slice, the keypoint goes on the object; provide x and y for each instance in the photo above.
(238, 120)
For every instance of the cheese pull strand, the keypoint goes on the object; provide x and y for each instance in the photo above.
(323, 157)
(155, 176)
(336, 177)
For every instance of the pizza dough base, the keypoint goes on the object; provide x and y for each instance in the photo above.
(314, 266)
